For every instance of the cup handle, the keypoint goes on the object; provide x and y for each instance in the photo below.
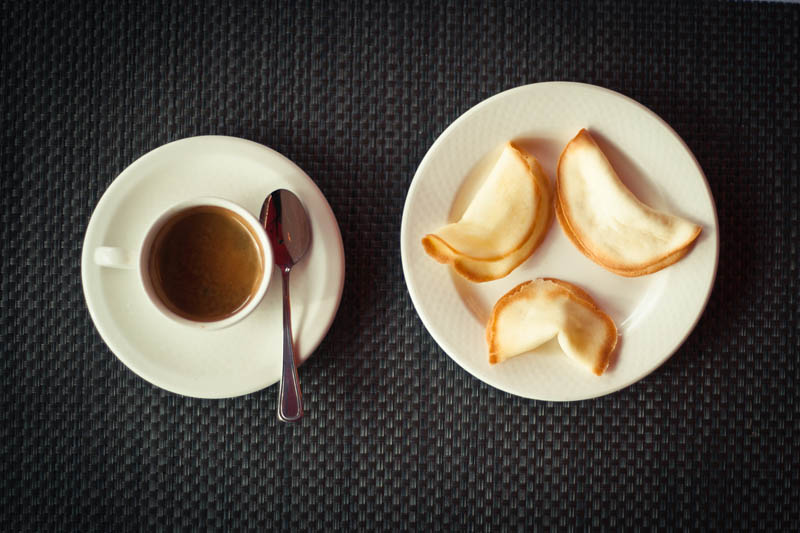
(113, 257)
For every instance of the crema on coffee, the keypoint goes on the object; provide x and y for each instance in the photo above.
(205, 263)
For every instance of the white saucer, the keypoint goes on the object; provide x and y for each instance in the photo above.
(654, 314)
(209, 364)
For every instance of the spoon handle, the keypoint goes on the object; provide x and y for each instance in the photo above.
(290, 399)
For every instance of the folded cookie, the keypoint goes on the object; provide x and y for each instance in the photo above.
(607, 223)
(535, 311)
(515, 202)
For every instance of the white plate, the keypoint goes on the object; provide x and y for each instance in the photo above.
(209, 364)
(654, 313)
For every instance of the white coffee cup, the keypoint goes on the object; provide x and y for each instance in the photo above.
(139, 260)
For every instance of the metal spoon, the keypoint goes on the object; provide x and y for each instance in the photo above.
(289, 231)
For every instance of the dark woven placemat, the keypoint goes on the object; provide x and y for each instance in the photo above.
(396, 435)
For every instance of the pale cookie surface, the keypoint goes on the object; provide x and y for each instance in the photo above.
(535, 311)
(502, 214)
(607, 223)
(512, 174)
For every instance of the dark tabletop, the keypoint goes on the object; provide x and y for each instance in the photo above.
(396, 434)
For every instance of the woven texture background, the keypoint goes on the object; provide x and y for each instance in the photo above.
(396, 436)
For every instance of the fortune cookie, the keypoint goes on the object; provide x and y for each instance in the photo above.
(535, 311)
(607, 223)
(504, 223)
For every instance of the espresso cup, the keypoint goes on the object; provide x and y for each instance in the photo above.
(204, 263)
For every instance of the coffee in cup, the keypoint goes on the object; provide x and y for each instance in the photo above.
(205, 263)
